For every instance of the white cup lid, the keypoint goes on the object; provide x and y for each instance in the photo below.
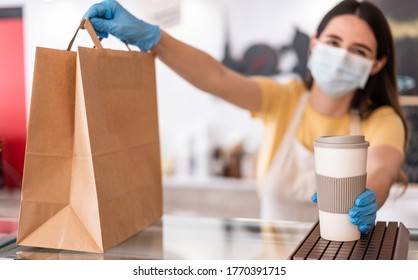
(341, 142)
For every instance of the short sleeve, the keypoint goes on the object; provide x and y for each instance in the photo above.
(385, 128)
(277, 97)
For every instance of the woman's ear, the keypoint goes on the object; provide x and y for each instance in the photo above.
(378, 65)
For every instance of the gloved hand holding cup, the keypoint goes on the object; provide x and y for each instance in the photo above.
(363, 214)
(340, 164)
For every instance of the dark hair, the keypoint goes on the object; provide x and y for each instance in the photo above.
(381, 88)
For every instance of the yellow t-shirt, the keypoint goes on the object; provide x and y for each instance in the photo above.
(382, 128)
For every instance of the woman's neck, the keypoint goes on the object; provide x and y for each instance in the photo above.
(329, 106)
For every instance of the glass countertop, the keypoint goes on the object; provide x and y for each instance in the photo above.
(183, 237)
(193, 238)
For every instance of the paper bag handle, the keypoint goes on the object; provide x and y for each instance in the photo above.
(86, 24)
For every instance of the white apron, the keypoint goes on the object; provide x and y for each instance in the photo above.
(290, 181)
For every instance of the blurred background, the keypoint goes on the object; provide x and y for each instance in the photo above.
(206, 143)
(200, 135)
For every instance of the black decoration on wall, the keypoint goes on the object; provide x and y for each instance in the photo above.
(262, 59)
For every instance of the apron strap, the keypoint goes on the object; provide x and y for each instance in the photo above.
(355, 123)
(287, 140)
(291, 130)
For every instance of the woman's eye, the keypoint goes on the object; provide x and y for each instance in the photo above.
(360, 53)
(333, 43)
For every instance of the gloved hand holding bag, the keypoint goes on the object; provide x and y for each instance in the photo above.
(109, 17)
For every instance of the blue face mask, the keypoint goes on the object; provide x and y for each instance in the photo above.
(338, 72)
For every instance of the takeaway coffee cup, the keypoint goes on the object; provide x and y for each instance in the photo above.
(340, 165)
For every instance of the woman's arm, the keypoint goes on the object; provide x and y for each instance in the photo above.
(207, 74)
(197, 67)
(383, 166)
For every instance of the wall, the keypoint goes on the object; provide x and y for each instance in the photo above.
(186, 114)
(12, 96)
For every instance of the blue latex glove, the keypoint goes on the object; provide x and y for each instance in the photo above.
(109, 17)
(363, 214)
(314, 197)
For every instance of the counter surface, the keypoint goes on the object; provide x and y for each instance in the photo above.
(195, 238)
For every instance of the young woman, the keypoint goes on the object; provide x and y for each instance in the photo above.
(352, 90)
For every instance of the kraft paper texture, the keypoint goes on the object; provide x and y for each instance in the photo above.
(92, 175)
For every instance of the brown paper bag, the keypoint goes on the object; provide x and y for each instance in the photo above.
(92, 175)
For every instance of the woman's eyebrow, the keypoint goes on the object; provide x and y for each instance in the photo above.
(334, 37)
(360, 45)
(363, 46)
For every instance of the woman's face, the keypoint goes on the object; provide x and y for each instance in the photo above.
(351, 33)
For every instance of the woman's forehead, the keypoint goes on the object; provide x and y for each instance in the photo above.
(351, 28)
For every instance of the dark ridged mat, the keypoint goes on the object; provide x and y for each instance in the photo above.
(387, 241)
